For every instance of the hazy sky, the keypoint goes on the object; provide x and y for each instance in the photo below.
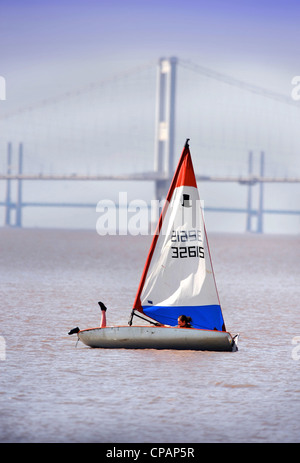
(50, 47)
(47, 47)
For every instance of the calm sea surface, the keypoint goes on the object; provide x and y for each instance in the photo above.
(51, 391)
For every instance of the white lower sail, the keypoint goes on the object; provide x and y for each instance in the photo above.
(179, 278)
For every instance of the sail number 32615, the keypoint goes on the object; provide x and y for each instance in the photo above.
(184, 236)
(187, 251)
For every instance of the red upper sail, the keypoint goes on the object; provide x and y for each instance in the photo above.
(185, 174)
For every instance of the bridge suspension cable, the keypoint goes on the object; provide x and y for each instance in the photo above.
(79, 91)
(237, 83)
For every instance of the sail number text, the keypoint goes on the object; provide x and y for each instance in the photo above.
(183, 236)
(187, 251)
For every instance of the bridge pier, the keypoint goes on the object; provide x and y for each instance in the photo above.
(258, 213)
(19, 192)
(9, 204)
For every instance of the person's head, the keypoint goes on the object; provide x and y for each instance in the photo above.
(184, 321)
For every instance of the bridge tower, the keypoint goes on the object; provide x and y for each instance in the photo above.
(165, 124)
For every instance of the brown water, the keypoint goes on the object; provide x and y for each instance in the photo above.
(51, 391)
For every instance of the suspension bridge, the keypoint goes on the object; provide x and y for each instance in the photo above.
(98, 128)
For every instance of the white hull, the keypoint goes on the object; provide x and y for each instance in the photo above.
(144, 337)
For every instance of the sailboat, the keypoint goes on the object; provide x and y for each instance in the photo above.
(178, 279)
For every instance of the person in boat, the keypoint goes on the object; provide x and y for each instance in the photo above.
(184, 321)
(103, 314)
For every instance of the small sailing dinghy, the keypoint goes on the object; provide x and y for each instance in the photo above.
(178, 279)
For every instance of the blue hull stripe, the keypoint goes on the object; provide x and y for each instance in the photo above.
(205, 317)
